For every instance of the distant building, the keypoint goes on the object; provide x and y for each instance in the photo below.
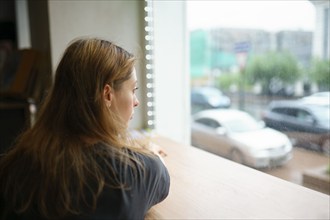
(298, 43)
(321, 44)
(222, 43)
(225, 39)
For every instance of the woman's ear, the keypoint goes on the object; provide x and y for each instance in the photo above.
(107, 95)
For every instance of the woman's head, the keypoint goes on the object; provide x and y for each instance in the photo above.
(94, 90)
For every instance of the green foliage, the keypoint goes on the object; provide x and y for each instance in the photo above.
(226, 80)
(272, 65)
(320, 73)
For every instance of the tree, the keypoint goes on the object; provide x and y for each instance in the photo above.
(320, 73)
(273, 70)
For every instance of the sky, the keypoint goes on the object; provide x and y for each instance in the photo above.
(269, 15)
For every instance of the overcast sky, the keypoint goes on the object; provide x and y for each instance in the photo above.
(270, 15)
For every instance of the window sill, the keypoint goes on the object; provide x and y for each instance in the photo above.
(205, 186)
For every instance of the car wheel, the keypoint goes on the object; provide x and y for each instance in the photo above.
(237, 156)
(326, 147)
(293, 141)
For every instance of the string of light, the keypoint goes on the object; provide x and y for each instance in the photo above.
(149, 64)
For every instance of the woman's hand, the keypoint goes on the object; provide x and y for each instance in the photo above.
(156, 149)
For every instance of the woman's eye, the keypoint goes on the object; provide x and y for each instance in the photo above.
(136, 88)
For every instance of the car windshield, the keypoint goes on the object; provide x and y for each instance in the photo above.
(322, 113)
(242, 124)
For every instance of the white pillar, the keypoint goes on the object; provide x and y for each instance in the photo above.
(172, 79)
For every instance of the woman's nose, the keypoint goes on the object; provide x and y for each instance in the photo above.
(136, 102)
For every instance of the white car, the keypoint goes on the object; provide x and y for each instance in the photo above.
(317, 98)
(236, 135)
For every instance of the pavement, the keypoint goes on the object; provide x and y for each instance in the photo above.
(301, 161)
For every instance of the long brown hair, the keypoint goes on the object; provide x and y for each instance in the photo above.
(49, 167)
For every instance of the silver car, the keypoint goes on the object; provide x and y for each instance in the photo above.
(236, 135)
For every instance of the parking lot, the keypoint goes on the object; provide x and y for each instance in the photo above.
(301, 161)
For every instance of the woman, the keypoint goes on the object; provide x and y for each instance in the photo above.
(77, 161)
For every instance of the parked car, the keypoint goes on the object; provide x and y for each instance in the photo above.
(305, 121)
(318, 98)
(236, 135)
(208, 97)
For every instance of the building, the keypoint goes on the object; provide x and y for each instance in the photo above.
(221, 44)
(321, 44)
(298, 43)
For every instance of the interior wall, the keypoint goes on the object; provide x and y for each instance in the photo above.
(117, 21)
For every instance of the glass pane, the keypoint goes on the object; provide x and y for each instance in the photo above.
(266, 59)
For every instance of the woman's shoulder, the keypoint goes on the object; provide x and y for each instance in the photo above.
(150, 161)
(146, 177)
(130, 164)
(156, 180)
(131, 159)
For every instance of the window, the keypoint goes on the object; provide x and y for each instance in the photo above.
(282, 111)
(259, 52)
(292, 112)
(305, 116)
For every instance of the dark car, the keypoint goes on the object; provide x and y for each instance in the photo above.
(306, 123)
(208, 98)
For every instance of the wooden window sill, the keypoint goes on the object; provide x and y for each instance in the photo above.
(205, 186)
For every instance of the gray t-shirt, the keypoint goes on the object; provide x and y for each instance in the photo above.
(146, 187)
